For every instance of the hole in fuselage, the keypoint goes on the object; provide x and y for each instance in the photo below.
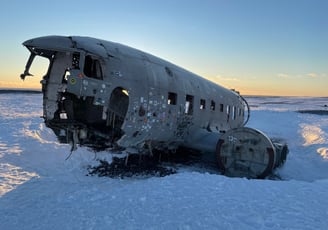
(118, 107)
(92, 68)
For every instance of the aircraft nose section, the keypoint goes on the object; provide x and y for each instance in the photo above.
(50, 42)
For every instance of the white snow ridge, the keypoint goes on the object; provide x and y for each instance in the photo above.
(39, 189)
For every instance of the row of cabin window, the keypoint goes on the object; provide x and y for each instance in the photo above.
(172, 100)
(92, 68)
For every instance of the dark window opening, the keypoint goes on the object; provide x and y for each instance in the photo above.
(228, 113)
(221, 107)
(202, 104)
(233, 113)
(76, 61)
(172, 98)
(92, 68)
(189, 104)
(212, 105)
(228, 109)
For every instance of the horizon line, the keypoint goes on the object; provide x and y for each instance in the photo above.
(38, 90)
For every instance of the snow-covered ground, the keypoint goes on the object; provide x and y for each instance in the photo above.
(39, 189)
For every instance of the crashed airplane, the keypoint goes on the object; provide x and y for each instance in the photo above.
(103, 95)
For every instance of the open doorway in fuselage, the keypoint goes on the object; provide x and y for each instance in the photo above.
(118, 107)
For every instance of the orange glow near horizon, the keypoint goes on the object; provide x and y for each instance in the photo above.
(243, 88)
(18, 85)
(271, 88)
(308, 84)
(12, 79)
(279, 50)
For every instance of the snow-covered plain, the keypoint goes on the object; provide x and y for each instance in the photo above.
(39, 189)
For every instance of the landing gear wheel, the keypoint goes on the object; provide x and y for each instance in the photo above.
(245, 152)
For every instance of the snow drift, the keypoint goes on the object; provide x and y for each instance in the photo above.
(39, 189)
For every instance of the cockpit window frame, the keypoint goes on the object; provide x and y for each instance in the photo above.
(92, 67)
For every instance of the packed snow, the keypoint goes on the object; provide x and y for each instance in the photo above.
(39, 189)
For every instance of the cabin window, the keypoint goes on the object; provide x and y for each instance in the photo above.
(202, 104)
(228, 113)
(221, 107)
(172, 98)
(228, 109)
(92, 68)
(212, 105)
(233, 113)
(76, 61)
(189, 104)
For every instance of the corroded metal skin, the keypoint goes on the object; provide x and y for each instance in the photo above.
(116, 94)
(103, 94)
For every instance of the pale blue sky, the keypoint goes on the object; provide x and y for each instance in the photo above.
(275, 47)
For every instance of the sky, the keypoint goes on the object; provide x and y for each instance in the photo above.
(277, 47)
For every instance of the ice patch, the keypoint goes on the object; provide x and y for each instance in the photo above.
(13, 149)
(41, 134)
(312, 135)
(12, 176)
(323, 152)
(37, 135)
(3, 147)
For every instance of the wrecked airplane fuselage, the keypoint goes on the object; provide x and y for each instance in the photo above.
(102, 94)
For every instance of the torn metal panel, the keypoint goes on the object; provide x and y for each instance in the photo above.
(113, 95)
(103, 94)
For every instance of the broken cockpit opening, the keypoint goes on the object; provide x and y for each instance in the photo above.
(78, 105)
(92, 68)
